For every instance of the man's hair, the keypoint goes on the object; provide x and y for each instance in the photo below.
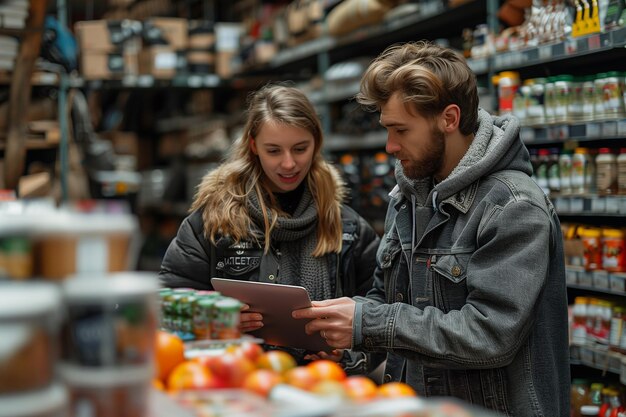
(428, 77)
(223, 193)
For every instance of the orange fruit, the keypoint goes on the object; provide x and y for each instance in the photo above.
(262, 381)
(158, 384)
(360, 388)
(325, 369)
(276, 360)
(169, 352)
(190, 375)
(301, 377)
(395, 390)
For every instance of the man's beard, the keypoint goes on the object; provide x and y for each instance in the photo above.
(432, 159)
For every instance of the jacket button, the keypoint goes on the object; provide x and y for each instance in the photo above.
(399, 297)
(271, 277)
(387, 378)
(456, 271)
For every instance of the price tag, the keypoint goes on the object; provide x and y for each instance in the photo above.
(593, 42)
(211, 80)
(145, 81)
(194, 81)
(571, 46)
(545, 52)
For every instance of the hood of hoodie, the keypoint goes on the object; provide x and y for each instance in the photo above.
(496, 147)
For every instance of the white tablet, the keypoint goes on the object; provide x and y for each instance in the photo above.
(275, 302)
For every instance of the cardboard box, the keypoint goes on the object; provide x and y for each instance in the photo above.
(226, 64)
(106, 35)
(158, 61)
(34, 185)
(201, 61)
(124, 143)
(172, 29)
(227, 36)
(96, 65)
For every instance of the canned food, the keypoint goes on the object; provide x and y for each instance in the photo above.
(203, 315)
(226, 320)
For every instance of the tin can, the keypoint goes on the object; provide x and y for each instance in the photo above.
(225, 324)
(203, 313)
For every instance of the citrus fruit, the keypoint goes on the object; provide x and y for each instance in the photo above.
(169, 352)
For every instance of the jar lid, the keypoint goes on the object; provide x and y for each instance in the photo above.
(111, 286)
(21, 300)
(589, 410)
(50, 401)
(94, 377)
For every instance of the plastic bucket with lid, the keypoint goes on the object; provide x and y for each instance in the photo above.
(107, 392)
(49, 402)
(30, 319)
(111, 320)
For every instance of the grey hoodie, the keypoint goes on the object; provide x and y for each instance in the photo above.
(469, 296)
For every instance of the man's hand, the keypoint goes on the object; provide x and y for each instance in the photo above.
(332, 318)
(249, 321)
(335, 356)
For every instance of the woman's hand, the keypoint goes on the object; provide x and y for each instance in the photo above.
(334, 356)
(249, 321)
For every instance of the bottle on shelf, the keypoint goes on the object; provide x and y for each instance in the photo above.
(606, 172)
(621, 172)
(579, 168)
(554, 177)
(579, 394)
(542, 170)
(565, 171)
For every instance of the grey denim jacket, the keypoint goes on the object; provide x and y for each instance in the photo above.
(469, 296)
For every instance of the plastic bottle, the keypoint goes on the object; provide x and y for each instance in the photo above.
(621, 172)
(590, 171)
(565, 171)
(508, 84)
(579, 168)
(579, 321)
(617, 328)
(554, 176)
(606, 172)
(542, 170)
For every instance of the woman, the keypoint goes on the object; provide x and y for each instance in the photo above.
(274, 212)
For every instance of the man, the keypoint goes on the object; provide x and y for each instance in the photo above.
(469, 298)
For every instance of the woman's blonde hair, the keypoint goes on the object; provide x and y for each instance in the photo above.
(223, 193)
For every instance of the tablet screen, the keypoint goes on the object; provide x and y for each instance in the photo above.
(275, 302)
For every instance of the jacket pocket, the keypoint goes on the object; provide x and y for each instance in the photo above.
(449, 280)
(389, 260)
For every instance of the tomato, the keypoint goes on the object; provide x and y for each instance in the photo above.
(276, 360)
(329, 388)
(262, 381)
(231, 369)
(395, 390)
(360, 388)
(325, 369)
(248, 350)
(169, 352)
(301, 377)
(190, 375)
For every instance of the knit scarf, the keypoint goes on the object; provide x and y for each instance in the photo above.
(295, 239)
